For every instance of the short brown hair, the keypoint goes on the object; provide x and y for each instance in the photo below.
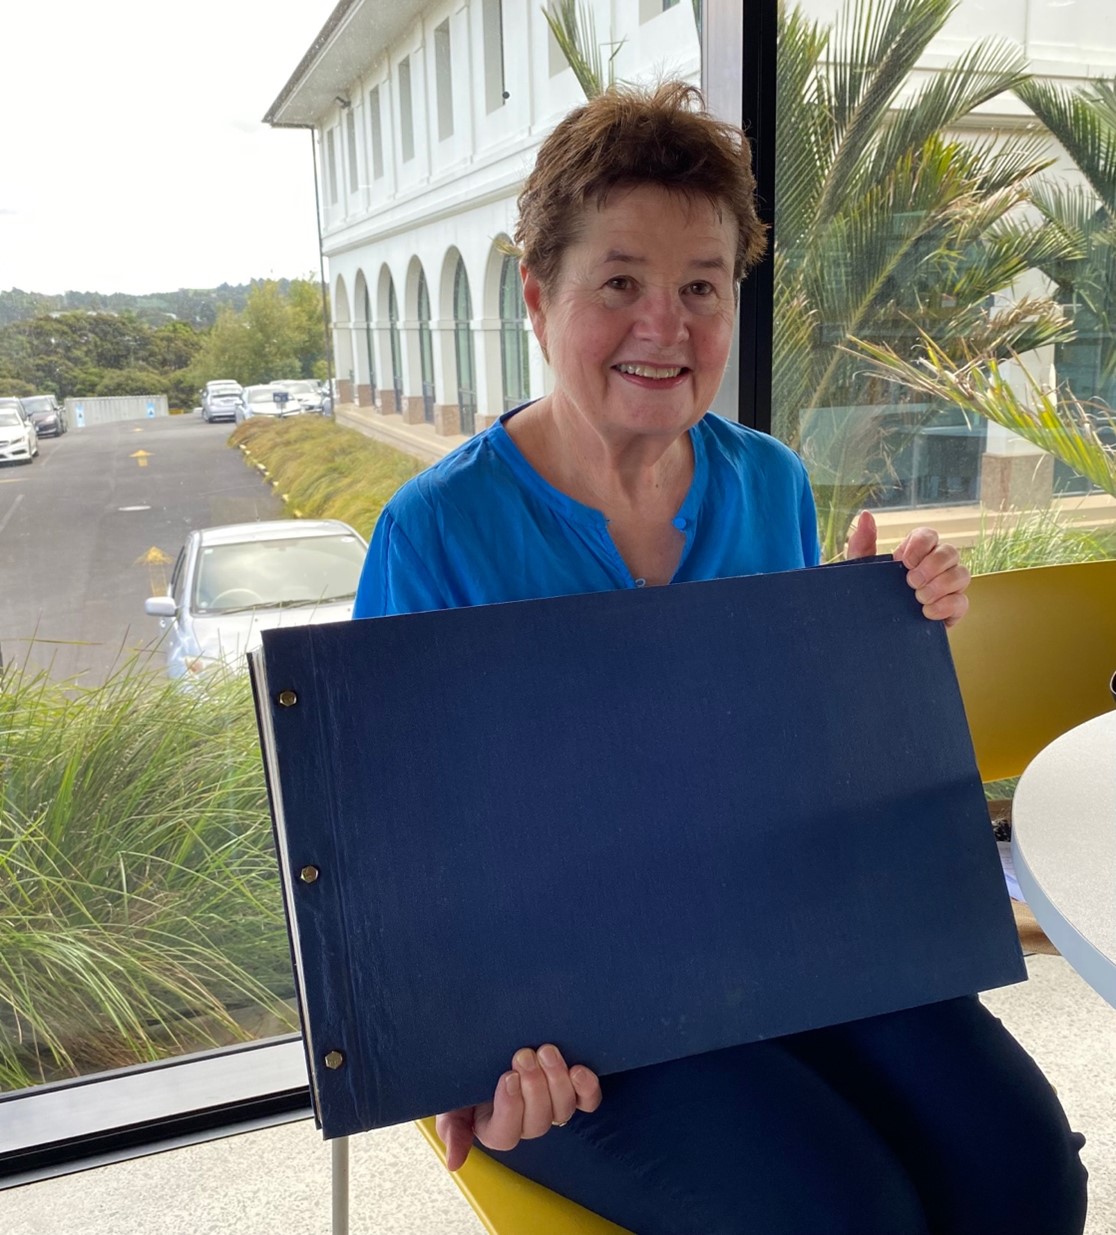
(631, 136)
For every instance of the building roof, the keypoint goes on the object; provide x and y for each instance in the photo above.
(350, 42)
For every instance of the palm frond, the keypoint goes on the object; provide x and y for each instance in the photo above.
(1054, 420)
(1083, 123)
(575, 32)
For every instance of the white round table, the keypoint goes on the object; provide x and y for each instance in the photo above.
(1064, 847)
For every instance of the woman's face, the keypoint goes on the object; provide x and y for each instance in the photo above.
(639, 322)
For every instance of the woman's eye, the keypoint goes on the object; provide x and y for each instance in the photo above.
(701, 288)
(619, 283)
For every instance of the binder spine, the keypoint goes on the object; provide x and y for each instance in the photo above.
(293, 720)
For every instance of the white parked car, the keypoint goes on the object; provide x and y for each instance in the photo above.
(270, 400)
(309, 394)
(19, 443)
(231, 583)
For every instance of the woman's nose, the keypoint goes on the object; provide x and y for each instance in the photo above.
(662, 318)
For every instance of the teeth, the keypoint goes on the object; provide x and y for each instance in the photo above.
(643, 370)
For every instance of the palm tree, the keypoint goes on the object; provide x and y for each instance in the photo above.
(1073, 419)
(1084, 122)
(890, 228)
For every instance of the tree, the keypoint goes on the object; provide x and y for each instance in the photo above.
(276, 335)
(1084, 274)
(890, 229)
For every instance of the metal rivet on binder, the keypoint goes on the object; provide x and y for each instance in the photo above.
(309, 874)
(287, 698)
(334, 1060)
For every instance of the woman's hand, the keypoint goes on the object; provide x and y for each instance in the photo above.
(934, 569)
(538, 1093)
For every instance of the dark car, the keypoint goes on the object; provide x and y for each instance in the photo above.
(45, 414)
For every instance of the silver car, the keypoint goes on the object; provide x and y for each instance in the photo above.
(230, 583)
(220, 401)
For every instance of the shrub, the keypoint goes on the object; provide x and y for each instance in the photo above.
(140, 906)
(325, 471)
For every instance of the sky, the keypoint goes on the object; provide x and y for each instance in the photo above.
(133, 157)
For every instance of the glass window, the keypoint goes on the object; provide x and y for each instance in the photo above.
(375, 126)
(464, 351)
(396, 344)
(331, 165)
(406, 111)
(426, 349)
(268, 572)
(514, 356)
(943, 300)
(351, 141)
(493, 27)
(443, 79)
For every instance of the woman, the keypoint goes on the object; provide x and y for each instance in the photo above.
(635, 229)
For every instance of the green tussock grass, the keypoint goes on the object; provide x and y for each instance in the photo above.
(325, 471)
(140, 907)
(1033, 538)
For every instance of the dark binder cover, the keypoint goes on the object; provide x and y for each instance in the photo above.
(638, 824)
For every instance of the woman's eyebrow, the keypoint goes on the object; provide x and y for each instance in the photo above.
(698, 263)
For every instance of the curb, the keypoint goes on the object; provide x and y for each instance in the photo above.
(295, 512)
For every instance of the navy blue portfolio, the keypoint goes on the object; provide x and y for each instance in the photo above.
(639, 824)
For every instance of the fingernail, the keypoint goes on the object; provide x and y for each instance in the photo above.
(548, 1056)
(915, 578)
(511, 1084)
(526, 1060)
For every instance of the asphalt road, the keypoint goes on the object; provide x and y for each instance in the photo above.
(92, 528)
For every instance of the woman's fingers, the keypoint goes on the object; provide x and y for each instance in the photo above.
(586, 1086)
(563, 1099)
(455, 1128)
(538, 1113)
(539, 1092)
(502, 1125)
(935, 573)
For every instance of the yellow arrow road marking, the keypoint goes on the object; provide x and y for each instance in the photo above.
(140, 456)
(156, 562)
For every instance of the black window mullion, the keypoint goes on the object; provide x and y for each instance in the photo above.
(739, 46)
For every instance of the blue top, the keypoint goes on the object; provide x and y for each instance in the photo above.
(482, 526)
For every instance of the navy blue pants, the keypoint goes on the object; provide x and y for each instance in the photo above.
(933, 1121)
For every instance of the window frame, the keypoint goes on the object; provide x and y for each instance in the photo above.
(150, 1107)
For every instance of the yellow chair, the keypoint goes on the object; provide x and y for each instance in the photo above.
(508, 1204)
(1034, 657)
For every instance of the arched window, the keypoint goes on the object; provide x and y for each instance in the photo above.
(463, 346)
(368, 344)
(426, 350)
(396, 348)
(513, 336)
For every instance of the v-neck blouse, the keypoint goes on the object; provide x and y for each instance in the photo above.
(483, 526)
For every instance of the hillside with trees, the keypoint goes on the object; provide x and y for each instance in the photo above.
(276, 331)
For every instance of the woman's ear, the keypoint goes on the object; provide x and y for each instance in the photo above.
(534, 300)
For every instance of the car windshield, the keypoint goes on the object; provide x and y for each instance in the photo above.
(225, 394)
(261, 394)
(268, 574)
(9, 418)
(299, 388)
(38, 404)
(11, 403)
